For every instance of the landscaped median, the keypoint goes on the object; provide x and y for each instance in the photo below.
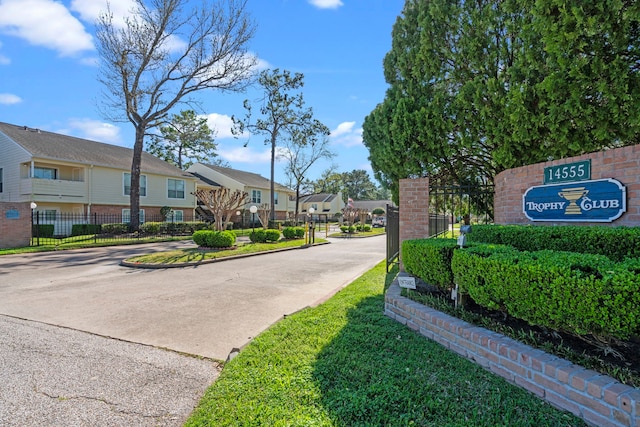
(344, 363)
(199, 255)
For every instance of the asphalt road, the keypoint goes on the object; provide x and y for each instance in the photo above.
(85, 341)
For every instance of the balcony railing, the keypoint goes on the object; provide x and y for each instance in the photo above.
(54, 189)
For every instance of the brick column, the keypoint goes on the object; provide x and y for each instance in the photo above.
(414, 209)
(15, 224)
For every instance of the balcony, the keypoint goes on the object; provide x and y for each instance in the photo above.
(54, 190)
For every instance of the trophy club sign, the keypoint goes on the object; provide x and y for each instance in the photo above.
(602, 200)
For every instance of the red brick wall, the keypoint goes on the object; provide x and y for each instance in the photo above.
(622, 164)
(15, 232)
(414, 209)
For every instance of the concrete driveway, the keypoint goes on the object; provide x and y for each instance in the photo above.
(85, 341)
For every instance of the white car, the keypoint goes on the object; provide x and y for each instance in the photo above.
(378, 221)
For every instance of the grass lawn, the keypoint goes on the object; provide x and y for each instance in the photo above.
(195, 255)
(344, 363)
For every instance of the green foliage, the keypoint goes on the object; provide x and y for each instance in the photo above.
(214, 239)
(347, 228)
(479, 87)
(42, 230)
(617, 243)
(580, 293)
(363, 227)
(115, 228)
(258, 236)
(151, 227)
(85, 229)
(293, 232)
(430, 260)
(272, 235)
(378, 211)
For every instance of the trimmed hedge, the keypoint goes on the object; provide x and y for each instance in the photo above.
(42, 230)
(430, 260)
(85, 229)
(579, 293)
(293, 232)
(115, 228)
(214, 239)
(347, 228)
(617, 243)
(264, 236)
(363, 227)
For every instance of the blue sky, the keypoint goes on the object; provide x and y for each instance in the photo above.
(48, 71)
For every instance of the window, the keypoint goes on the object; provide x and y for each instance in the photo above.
(0, 180)
(275, 198)
(314, 206)
(45, 173)
(176, 216)
(256, 196)
(127, 185)
(126, 216)
(50, 214)
(176, 189)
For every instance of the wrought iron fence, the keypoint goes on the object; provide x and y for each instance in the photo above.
(393, 235)
(49, 228)
(451, 204)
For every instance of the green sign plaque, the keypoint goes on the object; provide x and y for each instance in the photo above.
(569, 172)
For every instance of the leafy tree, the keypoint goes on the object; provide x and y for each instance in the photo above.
(358, 185)
(187, 138)
(167, 51)
(330, 181)
(282, 114)
(300, 155)
(479, 87)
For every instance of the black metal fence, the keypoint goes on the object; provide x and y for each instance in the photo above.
(56, 228)
(452, 204)
(393, 235)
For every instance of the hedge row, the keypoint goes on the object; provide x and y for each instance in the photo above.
(214, 239)
(42, 230)
(617, 243)
(580, 293)
(293, 232)
(264, 236)
(430, 260)
(184, 228)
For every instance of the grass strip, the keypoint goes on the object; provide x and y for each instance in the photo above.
(194, 255)
(344, 363)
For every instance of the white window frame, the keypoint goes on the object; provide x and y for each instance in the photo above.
(184, 188)
(275, 198)
(178, 216)
(142, 187)
(126, 216)
(256, 196)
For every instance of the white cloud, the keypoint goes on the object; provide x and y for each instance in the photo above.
(245, 155)
(96, 130)
(346, 135)
(222, 125)
(4, 60)
(9, 99)
(90, 10)
(44, 23)
(326, 4)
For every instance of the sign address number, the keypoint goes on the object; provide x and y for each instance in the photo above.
(578, 171)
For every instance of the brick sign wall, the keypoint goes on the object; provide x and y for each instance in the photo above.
(620, 164)
(15, 224)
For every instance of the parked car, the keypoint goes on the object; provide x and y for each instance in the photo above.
(379, 221)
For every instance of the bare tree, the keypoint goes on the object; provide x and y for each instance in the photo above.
(223, 203)
(302, 152)
(164, 52)
(350, 214)
(264, 213)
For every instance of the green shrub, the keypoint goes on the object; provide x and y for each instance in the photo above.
(617, 243)
(293, 232)
(580, 293)
(299, 232)
(220, 239)
(258, 236)
(115, 228)
(151, 227)
(42, 230)
(347, 228)
(200, 237)
(85, 229)
(363, 227)
(272, 235)
(430, 260)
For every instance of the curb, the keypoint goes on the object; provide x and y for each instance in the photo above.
(126, 263)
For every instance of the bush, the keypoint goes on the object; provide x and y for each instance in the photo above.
(617, 243)
(430, 260)
(293, 232)
(258, 236)
(364, 227)
(347, 228)
(272, 235)
(42, 230)
(580, 293)
(115, 228)
(85, 229)
(214, 239)
(151, 227)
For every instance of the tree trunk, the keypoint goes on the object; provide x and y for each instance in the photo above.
(297, 202)
(272, 214)
(134, 194)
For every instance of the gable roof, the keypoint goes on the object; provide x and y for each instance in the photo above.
(248, 179)
(318, 198)
(370, 205)
(57, 147)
